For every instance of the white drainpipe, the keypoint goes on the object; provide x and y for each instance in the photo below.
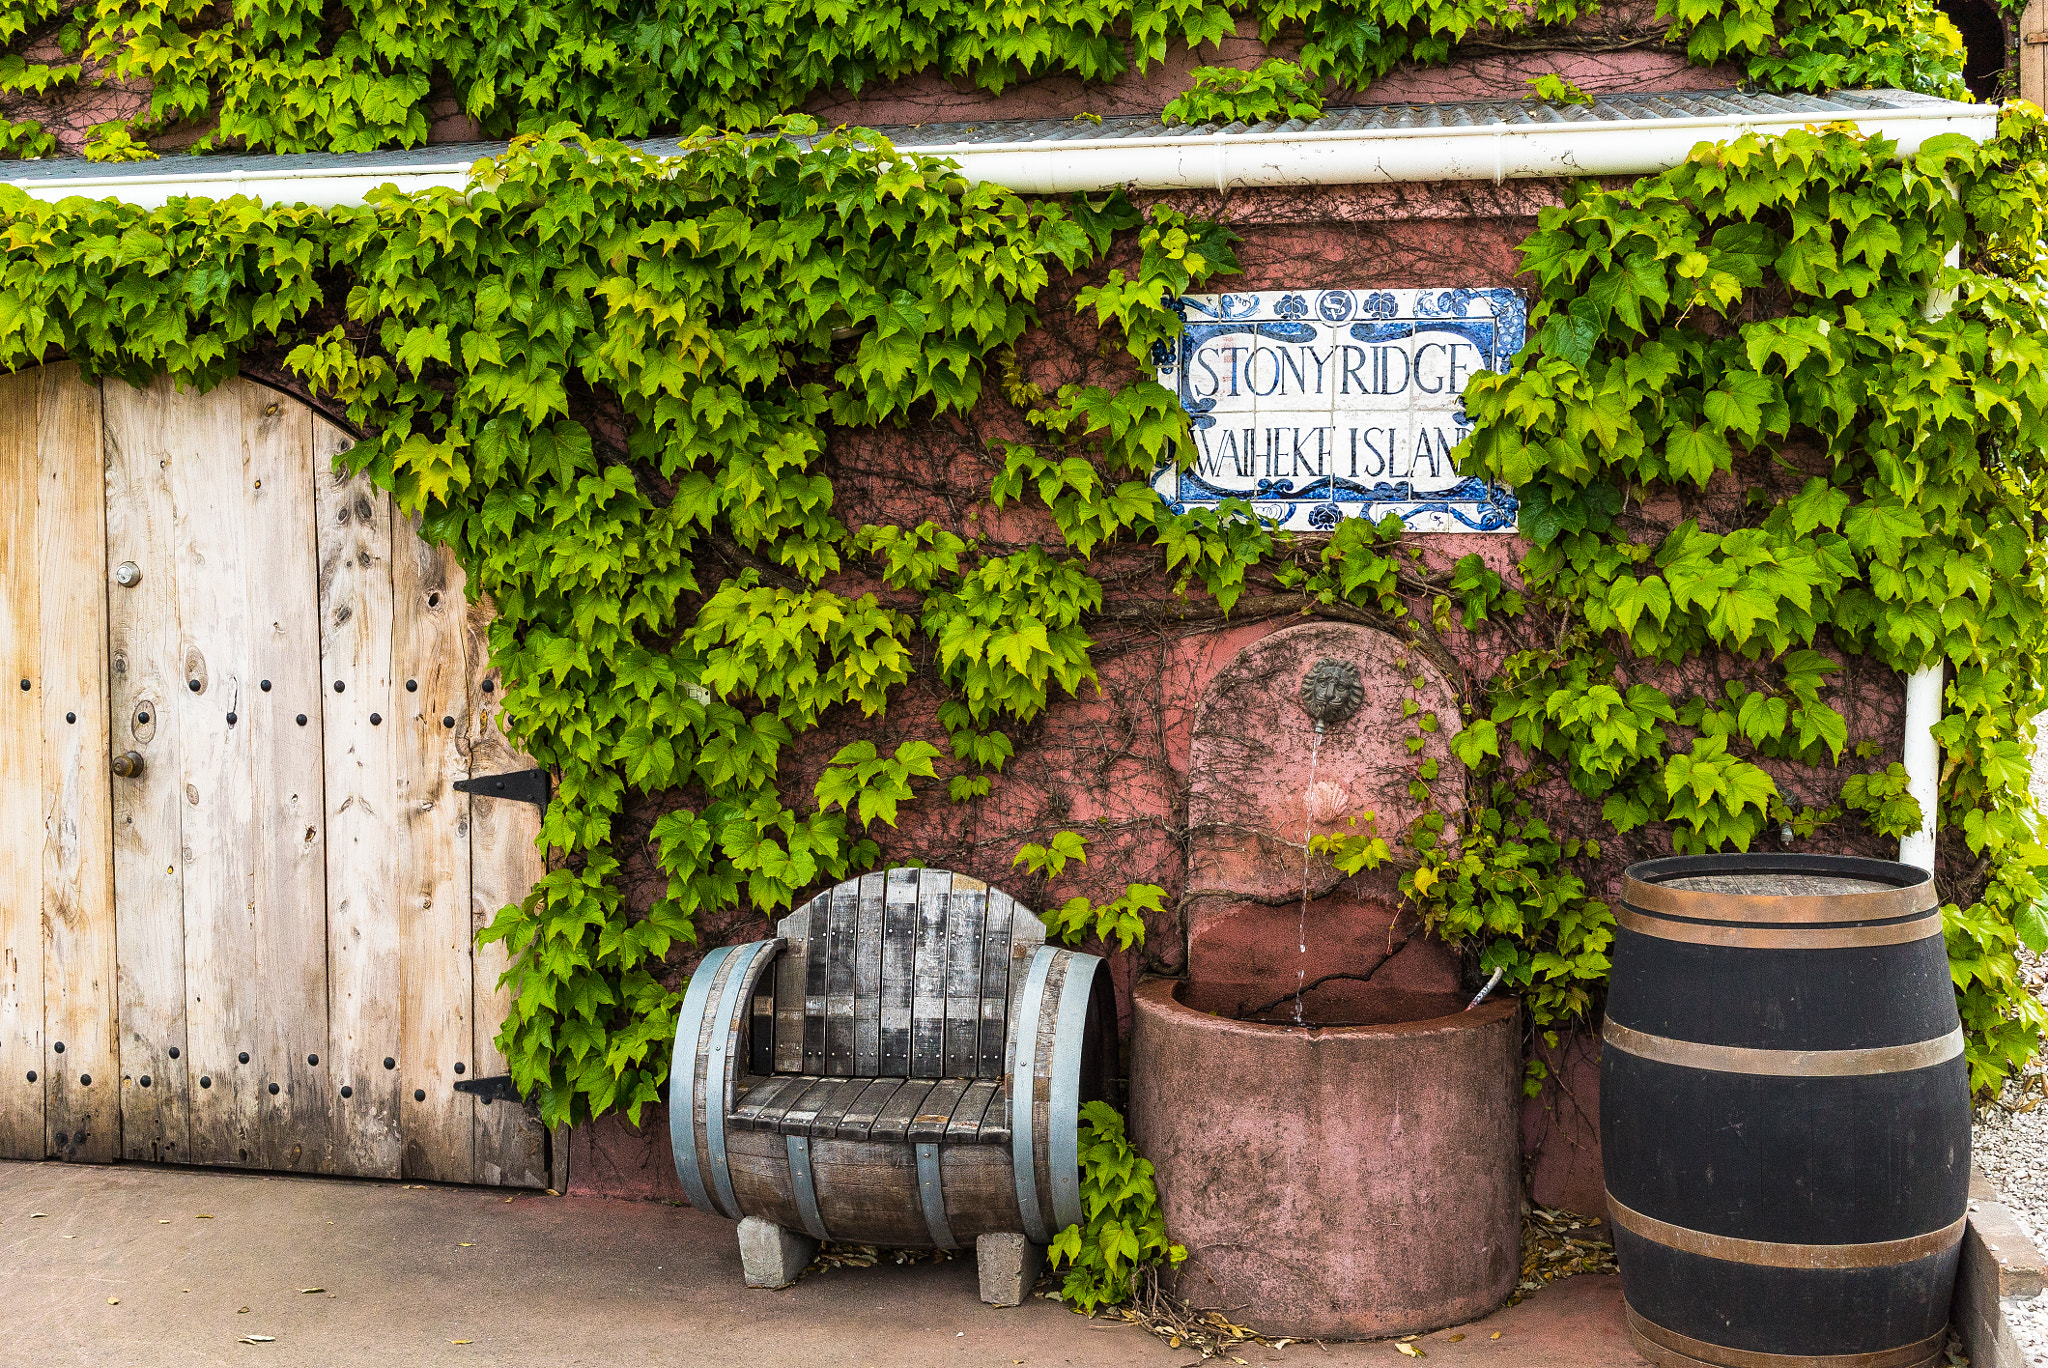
(1923, 762)
(1922, 756)
(1170, 160)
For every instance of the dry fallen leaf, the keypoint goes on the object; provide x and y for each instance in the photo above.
(553, 1193)
(36, 1216)
(242, 1311)
(466, 1244)
(1410, 1350)
(113, 1301)
(257, 1339)
(312, 1289)
(202, 1216)
(1454, 1339)
(1496, 1334)
(165, 1221)
(462, 1341)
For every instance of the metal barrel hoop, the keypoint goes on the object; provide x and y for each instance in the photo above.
(1064, 1119)
(804, 1185)
(931, 1191)
(1023, 1064)
(725, 1031)
(685, 1087)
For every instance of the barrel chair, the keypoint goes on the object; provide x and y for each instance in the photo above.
(903, 1065)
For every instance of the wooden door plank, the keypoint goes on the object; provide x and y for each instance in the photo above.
(83, 1097)
(199, 439)
(505, 862)
(432, 716)
(22, 1069)
(149, 893)
(354, 519)
(281, 568)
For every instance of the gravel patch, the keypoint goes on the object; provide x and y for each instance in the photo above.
(2010, 1143)
(2030, 1327)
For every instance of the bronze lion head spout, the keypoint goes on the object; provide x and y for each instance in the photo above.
(1331, 691)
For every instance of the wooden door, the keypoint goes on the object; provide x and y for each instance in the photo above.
(256, 932)
(2030, 54)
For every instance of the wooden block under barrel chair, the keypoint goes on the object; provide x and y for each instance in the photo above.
(903, 1066)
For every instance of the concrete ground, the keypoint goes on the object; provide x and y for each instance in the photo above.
(154, 1266)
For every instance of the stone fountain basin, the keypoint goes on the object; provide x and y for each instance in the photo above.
(1343, 1182)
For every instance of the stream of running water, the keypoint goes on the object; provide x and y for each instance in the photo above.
(1308, 819)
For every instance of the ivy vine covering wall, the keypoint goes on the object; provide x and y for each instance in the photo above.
(631, 395)
(296, 75)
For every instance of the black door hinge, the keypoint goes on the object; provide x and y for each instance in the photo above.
(489, 1090)
(520, 786)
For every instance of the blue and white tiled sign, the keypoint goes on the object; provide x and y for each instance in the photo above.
(1324, 404)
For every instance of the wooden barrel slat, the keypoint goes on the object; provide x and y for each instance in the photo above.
(1785, 1116)
(760, 1177)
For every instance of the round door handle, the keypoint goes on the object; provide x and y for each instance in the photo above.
(128, 764)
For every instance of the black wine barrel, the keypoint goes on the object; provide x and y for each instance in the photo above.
(1784, 1112)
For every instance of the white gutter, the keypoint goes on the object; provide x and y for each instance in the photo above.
(1180, 160)
(321, 187)
(1495, 152)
